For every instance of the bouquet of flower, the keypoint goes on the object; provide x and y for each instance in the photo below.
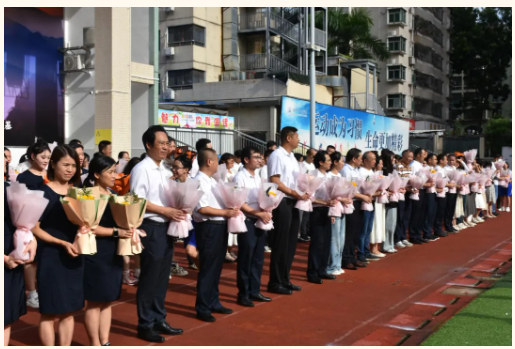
(384, 183)
(481, 182)
(454, 176)
(464, 182)
(85, 207)
(335, 188)
(504, 182)
(470, 155)
(416, 182)
(369, 187)
(441, 183)
(397, 183)
(499, 165)
(128, 213)
(121, 165)
(489, 174)
(351, 189)
(233, 196)
(13, 174)
(431, 175)
(221, 173)
(473, 180)
(307, 184)
(184, 197)
(268, 198)
(26, 208)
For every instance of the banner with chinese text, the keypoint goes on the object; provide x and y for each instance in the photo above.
(194, 120)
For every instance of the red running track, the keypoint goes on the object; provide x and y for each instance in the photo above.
(339, 312)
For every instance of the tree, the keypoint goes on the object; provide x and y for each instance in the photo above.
(481, 48)
(498, 134)
(349, 34)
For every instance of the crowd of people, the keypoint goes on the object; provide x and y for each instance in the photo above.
(58, 280)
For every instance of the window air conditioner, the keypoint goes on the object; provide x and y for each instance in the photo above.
(391, 61)
(392, 33)
(168, 93)
(412, 61)
(169, 9)
(169, 51)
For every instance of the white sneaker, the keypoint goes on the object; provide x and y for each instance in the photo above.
(33, 300)
(462, 226)
(407, 243)
(341, 271)
(268, 249)
(400, 245)
(335, 273)
(501, 209)
(393, 250)
(507, 209)
(480, 219)
(380, 255)
(456, 227)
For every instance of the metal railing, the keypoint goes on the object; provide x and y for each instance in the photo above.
(260, 61)
(358, 101)
(242, 140)
(278, 65)
(253, 21)
(301, 148)
(320, 38)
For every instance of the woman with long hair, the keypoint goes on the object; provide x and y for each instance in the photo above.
(60, 273)
(377, 235)
(103, 270)
(388, 158)
(505, 193)
(39, 157)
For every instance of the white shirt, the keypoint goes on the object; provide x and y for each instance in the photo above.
(364, 173)
(307, 167)
(416, 166)
(403, 170)
(441, 170)
(237, 166)
(263, 173)
(331, 175)
(285, 165)
(449, 168)
(149, 181)
(209, 199)
(245, 180)
(194, 168)
(350, 172)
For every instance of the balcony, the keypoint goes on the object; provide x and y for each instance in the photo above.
(320, 38)
(358, 101)
(249, 22)
(265, 61)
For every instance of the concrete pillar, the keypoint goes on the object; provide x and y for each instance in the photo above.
(273, 123)
(154, 60)
(113, 76)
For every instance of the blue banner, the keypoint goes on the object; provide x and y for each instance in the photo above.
(345, 128)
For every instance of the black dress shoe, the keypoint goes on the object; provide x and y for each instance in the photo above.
(315, 280)
(165, 328)
(360, 264)
(207, 317)
(292, 287)
(260, 298)
(222, 310)
(432, 238)
(425, 241)
(416, 242)
(149, 335)
(441, 234)
(303, 238)
(279, 290)
(245, 302)
(349, 266)
(328, 276)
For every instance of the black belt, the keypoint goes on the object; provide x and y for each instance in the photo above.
(212, 222)
(154, 223)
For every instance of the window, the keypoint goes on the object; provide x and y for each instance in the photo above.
(397, 15)
(397, 101)
(184, 79)
(187, 35)
(397, 43)
(456, 83)
(396, 72)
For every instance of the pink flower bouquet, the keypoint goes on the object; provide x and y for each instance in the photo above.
(473, 180)
(505, 178)
(369, 187)
(431, 175)
(268, 198)
(489, 173)
(337, 188)
(183, 196)
(396, 185)
(464, 181)
(307, 184)
(384, 183)
(26, 208)
(416, 182)
(470, 155)
(441, 184)
(482, 181)
(499, 165)
(233, 196)
(454, 175)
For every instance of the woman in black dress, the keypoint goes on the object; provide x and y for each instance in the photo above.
(39, 156)
(14, 285)
(60, 273)
(103, 270)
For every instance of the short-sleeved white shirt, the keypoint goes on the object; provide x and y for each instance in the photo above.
(245, 180)
(209, 199)
(285, 165)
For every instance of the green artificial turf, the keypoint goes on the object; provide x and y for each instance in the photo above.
(485, 321)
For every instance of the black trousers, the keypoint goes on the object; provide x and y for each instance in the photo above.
(403, 219)
(212, 238)
(417, 216)
(441, 206)
(429, 214)
(283, 242)
(449, 210)
(156, 263)
(304, 224)
(320, 245)
(353, 225)
(251, 255)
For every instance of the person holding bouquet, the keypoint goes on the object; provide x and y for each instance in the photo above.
(430, 198)
(282, 167)
(320, 246)
(441, 199)
(212, 236)
(391, 207)
(60, 273)
(505, 188)
(251, 245)
(404, 206)
(452, 195)
(103, 270)
(418, 207)
(149, 181)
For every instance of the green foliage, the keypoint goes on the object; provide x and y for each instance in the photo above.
(349, 33)
(481, 40)
(498, 133)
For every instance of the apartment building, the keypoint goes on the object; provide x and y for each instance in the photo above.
(414, 82)
(239, 59)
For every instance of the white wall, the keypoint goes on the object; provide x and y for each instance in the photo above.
(140, 117)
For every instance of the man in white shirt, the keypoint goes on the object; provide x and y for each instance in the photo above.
(148, 180)
(496, 186)
(238, 165)
(282, 169)
(211, 236)
(201, 144)
(417, 206)
(366, 170)
(251, 245)
(353, 221)
(404, 207)
(429, 210)
(451, 198)
(441, 203)
(309, 166)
